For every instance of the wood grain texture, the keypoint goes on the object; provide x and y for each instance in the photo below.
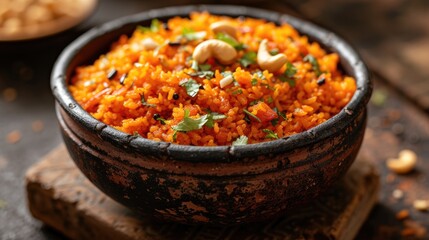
(60, 196)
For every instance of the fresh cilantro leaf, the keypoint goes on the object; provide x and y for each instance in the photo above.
(202, 74)
(230, 40)
(242, 140)
(270, 134)
(289, 75)
(252, 115)
(144, 103)
(275, 121)
(254, 81)
(281, 114)
(290, 81)
(311, 59)
(191, 86)
(154, 26)
(238, 91)
(161, 120)
(212, 117)
(247, 59)
(270, 99)
(204, 67)
(191, 35)
(190, 124)
(290, 70)
(254, 102)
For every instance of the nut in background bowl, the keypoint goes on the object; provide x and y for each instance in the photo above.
(26, 20)
(215, 185)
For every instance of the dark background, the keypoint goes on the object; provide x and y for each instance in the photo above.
(391, 35)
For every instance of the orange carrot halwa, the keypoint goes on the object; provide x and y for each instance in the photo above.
(153, 83)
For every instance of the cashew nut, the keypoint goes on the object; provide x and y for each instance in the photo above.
(404, 164)
(218, 49)
(268, 62)
(226, 81)
(149, 44)
(224, 27)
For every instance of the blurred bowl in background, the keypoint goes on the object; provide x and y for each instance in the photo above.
(25, 20)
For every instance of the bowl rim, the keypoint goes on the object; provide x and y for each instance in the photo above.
(349, 60)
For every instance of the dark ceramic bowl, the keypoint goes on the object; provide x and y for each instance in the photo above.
(218, 185)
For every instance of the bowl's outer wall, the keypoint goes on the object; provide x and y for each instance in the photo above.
(221, 185)
(209, 192)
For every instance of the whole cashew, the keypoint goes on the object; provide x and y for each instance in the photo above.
(268, 62)
(224, 27)
(404, 164)
(218, 49)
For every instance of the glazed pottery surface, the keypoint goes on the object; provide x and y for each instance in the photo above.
(216, 185)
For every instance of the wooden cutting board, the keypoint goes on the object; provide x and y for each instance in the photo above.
(60, 196)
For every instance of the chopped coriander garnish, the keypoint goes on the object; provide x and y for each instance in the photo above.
(144, 103)
(247, 59)
(201, 70)
(270, 99)
(281, 114)
(254, 102)
(290, 70)
(289, 75)
(158, 117)
(242, 140)
(290, 81)
(136, 134)
(204, 67)
(230, 40)
(275, 121)
(274, 51)
(154, 26)
(254, 81)
(191, 86)
(311, 59)
(202, 74)
(162, 120)
(238, 91)
(190, 124)
(212, 117)
(252, 115)
(270, 134)
(191, 35)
